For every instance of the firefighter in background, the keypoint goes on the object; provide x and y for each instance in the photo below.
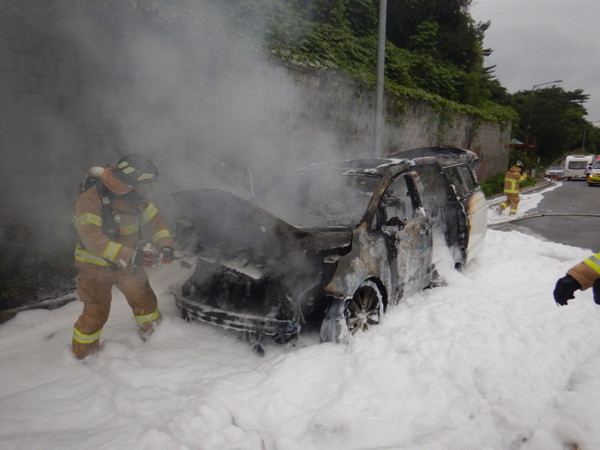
(512, 186)
(111, 218)
(580, 276)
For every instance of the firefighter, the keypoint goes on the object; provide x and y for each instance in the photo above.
(512, 182)
(580, 276)
(113, 218)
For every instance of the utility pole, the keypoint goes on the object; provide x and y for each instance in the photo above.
(379, 105)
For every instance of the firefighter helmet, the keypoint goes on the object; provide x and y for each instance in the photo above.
(134, 169)
(519, 164)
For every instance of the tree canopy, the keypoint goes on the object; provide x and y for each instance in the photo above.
(555, 120)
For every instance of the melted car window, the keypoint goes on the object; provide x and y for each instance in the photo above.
(467, 178)
(456, 180)
(309, 200)
(397, 201)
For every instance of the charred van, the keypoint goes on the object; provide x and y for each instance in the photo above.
(332, 247)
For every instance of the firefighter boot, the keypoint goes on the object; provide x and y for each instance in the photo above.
(82, 350)
(147, 323)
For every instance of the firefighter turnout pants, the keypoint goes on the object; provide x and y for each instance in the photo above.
(512, 201)
(94, 286)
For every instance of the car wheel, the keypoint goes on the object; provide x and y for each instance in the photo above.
(346, 318)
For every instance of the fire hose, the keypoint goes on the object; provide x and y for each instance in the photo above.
(533, 216)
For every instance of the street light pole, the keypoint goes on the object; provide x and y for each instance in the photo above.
(531, 105)
(379, 117)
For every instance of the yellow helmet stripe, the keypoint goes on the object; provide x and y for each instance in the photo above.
(145, 176)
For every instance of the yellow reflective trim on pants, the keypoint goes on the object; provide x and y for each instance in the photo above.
(83, 338)
(149, 213)
(148, 317)
(594, 262)
(511, 191)
(159, 235)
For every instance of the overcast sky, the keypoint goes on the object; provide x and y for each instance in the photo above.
(536, 41)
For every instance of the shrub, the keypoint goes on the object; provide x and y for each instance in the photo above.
(493, 185)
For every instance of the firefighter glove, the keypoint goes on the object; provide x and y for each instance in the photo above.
(167, 255)
(146, 258)
(564, 290)
(597, 291)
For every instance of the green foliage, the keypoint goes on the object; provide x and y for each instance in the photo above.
(493, 185)
(434, 49)
(434, 52)
(555, 120)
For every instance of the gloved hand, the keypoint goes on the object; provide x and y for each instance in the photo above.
(565, 287)
(146, 258)
(597, 291)
(167, 255)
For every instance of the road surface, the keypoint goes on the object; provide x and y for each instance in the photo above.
(571, 197)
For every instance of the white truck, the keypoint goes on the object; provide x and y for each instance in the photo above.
(575, 166)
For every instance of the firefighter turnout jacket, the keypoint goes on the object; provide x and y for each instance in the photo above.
(131, 218)
(587, 271)
(513, 180)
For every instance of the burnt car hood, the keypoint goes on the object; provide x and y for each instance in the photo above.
(220, 226)
(254, 272)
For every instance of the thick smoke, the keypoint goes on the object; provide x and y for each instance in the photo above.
(208, 111)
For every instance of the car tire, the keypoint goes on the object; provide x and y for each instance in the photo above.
(344, 319)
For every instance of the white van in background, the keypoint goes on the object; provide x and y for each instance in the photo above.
(575, 166)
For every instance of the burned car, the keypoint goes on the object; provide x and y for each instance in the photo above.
(453, 199)
(331, 248)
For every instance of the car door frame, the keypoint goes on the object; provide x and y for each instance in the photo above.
(408, 239)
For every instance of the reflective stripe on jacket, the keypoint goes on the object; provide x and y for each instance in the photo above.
(97, 248)
(587, 271)
(512, 180)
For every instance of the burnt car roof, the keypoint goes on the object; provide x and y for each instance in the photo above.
(443, 155)
(399, 160)
(372, 166)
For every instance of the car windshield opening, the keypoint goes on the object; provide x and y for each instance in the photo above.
(311, 199)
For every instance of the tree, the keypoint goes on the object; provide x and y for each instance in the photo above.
(554, 119)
